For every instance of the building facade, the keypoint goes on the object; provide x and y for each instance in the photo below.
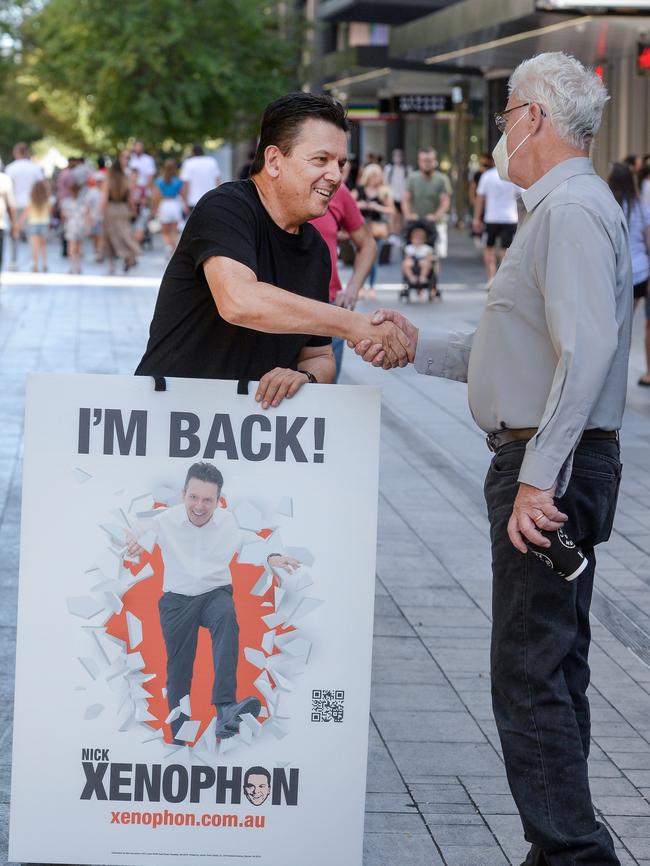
(432, 72)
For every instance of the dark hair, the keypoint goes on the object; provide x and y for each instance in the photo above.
(257, 771)
(169, 169)
(630, 159)
(197, 150)
(118, 182)
(418, 225)
(204, 472)
(284, 118)
(39, 194)
(621, 183)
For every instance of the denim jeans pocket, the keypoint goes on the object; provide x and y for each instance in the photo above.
(591, 501)
(508, 459)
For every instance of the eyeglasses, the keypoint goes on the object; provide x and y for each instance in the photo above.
(500, 116)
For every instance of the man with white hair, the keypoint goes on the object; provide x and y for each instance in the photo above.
(547, 376)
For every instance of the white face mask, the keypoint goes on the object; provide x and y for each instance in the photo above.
(500, 153)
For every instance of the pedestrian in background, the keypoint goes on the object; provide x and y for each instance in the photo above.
(376, 204)
(24, 173)
(427, 198)
(94, 206)
(343, 216)
(7, 209)
(396, 174)
(200, 173)
(634, 163)
(495, 205)
(621, 182)
(167, 203)
(644, 175)
(143, 171)
(484, 163)
(76, 223)
(117, 209)
(35, 218)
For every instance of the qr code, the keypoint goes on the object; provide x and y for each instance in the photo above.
(327, 705)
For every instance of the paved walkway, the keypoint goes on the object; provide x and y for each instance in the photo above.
(436, 787)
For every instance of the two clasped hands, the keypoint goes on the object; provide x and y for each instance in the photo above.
(391, 342)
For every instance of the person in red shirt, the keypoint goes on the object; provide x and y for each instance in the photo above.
(343, 215)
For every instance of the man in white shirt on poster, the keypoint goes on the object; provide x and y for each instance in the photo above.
(496, 206)
(24, 173)
(198, 540)
(200, 173)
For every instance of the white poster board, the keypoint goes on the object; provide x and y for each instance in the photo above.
(96, 778)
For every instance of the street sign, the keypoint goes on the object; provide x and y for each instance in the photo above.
(417, 103)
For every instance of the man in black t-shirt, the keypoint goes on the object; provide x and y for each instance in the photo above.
(245, 295)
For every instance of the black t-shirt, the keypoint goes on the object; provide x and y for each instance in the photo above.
(188, 336)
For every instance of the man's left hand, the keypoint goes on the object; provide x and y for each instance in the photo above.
(286, 563)
(277, 384)
(346, 299)
(534, 509)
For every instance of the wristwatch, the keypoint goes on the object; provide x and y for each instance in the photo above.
(310, 377)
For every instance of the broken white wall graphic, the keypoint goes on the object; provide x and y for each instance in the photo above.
(280, 657)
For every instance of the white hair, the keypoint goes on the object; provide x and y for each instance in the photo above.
(572, 96)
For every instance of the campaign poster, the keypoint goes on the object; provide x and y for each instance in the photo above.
(194, 623)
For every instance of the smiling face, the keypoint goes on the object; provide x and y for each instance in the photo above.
(310, 174)
(256, 789)
(200, 499)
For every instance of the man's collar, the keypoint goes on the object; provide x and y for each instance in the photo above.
(532, 196)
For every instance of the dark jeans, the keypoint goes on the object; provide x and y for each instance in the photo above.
(180, 618)
(539, 662)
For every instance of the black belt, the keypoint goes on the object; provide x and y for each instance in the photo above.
(500, 438)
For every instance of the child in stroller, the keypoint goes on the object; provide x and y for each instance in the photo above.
(418, 262)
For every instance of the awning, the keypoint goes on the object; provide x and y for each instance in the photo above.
(376, 11)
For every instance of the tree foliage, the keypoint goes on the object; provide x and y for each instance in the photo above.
(162, 70)
(17, 122)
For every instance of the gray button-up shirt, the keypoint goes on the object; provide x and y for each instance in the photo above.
(551, 348)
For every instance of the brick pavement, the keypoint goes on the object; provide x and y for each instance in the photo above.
(436, 787)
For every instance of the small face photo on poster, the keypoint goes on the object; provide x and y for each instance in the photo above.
(257, 785)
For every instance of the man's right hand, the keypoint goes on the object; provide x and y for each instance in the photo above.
(372, 351)
(395, 345)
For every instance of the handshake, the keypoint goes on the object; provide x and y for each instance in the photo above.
(385, 339)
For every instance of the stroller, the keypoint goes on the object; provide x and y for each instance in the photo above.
(419, 260)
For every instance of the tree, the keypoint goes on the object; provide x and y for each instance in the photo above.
(17, 122)
(162, 70)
